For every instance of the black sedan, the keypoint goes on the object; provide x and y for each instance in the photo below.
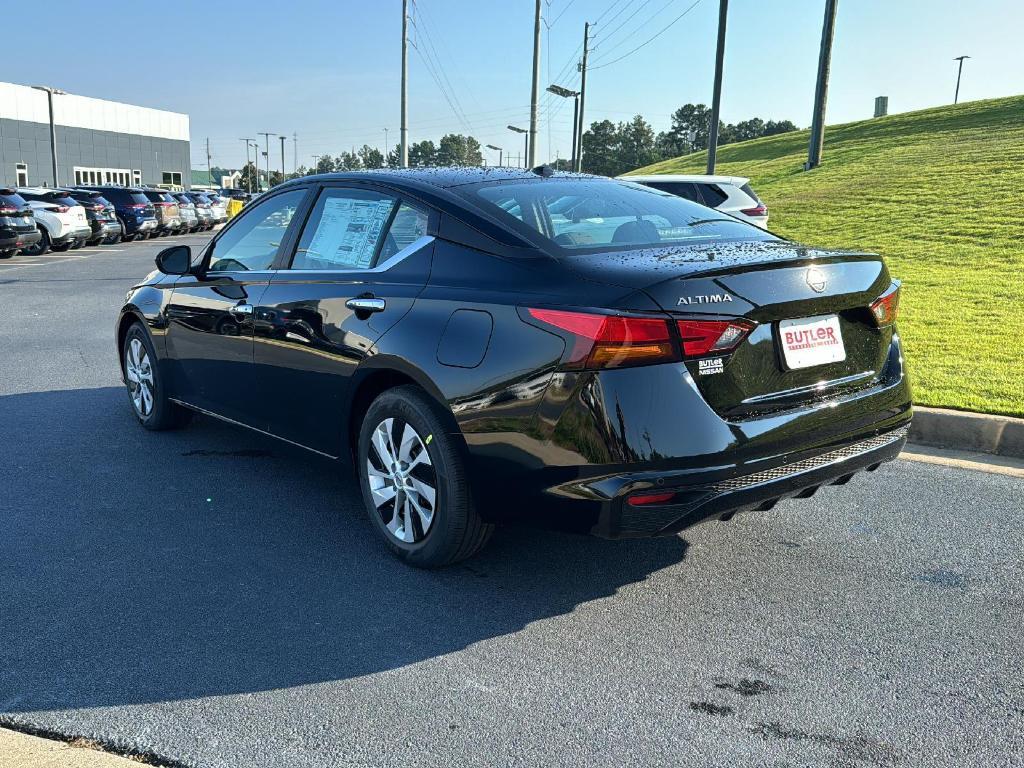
(490, 345)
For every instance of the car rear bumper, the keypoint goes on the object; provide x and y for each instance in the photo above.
(701, 499)
(10, 239)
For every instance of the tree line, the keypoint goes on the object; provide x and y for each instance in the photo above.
(609, 149)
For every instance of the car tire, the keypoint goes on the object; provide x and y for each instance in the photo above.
(6, 254)
(453, 530)
(62, 247)
(39, 248)
(77, 244)
(144, 383)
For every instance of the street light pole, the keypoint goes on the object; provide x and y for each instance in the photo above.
(716, 97)
(565, 93)
(50, 93)
(956, 96)
(387, 149)
(266, 153)
(828, 29)
(499, 151)
(282, 157)
(526, 141)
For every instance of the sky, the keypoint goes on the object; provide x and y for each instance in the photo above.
(329, 72)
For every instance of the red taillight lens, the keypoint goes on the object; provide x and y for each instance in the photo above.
(9, 211)
(138, 206)
(643, 499)
(886, 306)
(705, 337)
(60, 209)
(608, 341)
(760, 210)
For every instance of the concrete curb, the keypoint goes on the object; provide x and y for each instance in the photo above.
(967, 431)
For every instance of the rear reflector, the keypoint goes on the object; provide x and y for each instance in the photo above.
(886, 306)
(643, 499)
(610, 341)
(705, 337)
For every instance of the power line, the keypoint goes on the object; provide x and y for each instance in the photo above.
(560, 15)
(641, 27)
(606, 37)
(651, 39)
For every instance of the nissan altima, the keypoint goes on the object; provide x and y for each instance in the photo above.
(486, 345)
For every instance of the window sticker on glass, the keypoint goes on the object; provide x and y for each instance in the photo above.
(346, 235)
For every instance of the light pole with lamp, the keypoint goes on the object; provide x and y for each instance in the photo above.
(50, 93)
(565, 93)
(499, 150)
(526, 143)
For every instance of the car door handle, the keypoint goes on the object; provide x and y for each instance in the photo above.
(366, 304)
(242, 309)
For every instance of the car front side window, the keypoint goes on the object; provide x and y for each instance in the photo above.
(344, 230)
(252, 242)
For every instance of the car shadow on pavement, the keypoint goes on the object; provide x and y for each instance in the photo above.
(141, 567)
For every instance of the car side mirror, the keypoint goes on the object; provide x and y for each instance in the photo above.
(176, 260)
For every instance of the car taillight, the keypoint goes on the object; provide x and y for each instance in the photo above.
(886, 306)
(611, 341)
(60, 209)
(706, 337)
(9, 211)
(138, 206)
(760, 210)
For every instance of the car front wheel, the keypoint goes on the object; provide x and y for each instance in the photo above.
(413, 482)
(146, 392)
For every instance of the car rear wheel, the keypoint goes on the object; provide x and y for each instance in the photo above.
(146, 392)
(413, 482)
(38, 249)
(6, 254)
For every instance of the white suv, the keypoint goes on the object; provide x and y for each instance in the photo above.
(728, 194)
(61, 220)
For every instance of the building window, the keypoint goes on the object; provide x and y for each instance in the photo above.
(21, 172)
(172, 177)
(137, 178)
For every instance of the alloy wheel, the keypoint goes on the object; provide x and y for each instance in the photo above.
(139, 372)
(403, 482)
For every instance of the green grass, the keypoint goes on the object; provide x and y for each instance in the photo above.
(940, 193)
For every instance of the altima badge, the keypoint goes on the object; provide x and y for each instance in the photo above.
(714, 298)
(816, 279)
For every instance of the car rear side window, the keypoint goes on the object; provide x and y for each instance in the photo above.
(252, 241)
(713, 195)
(344, 230)
(748, 190)
(684, 189)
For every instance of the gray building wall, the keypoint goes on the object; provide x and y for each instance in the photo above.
(29, 142)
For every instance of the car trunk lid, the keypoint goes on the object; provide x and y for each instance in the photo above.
(814, 335)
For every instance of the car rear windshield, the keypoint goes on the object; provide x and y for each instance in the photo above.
(12, 200)
(605, 215)
(202, 199)
(62, 200)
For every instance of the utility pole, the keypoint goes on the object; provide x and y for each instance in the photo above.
(248, 176)
(583, 97)
(316, 162)
(387, 149)
(535, 92)
(295, 153)
(959, 71)
(716, 98)
(821, 90)
(282, 138)
(209, 168)
(575, 128)
(403, 155)
(266, 152)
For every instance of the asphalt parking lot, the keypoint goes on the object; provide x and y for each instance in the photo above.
(217, 599)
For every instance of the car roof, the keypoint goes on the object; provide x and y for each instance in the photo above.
(738, 181)
(42, 190)
(443, 177)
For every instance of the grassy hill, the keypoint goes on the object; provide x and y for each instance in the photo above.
(940, 193)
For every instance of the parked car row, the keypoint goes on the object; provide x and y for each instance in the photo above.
(35, 220)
